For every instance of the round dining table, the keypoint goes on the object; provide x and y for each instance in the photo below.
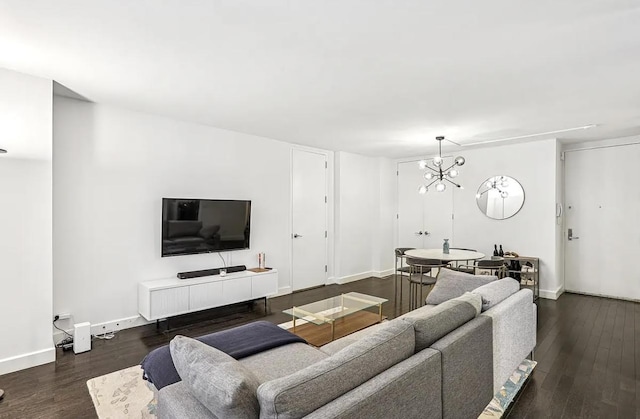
(453, 255)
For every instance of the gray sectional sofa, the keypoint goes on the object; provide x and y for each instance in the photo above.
(439, 361)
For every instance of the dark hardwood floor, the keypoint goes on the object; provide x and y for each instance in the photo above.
(588, 357)
(588, 353)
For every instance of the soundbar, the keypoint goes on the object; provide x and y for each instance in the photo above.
(209, 272)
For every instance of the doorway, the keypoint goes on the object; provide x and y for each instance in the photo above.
(424, 220)
(602, 226)
(309, 232)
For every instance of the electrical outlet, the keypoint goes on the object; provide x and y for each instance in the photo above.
(64, 316)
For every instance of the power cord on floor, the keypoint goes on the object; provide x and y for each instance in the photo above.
(65, 341)
(105, 336)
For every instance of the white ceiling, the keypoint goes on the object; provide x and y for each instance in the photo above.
(379, 77)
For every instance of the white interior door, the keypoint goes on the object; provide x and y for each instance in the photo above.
(410, 206)
(423, 220)
(438, 217)
(309, 219)
(602, 203)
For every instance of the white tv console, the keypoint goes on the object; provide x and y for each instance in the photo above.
(164, 298)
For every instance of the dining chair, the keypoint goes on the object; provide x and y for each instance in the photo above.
(467, 266)
(492, 267)
(400, 271)
(421, 273)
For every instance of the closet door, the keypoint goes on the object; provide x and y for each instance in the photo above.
(410, 206)
(602, 203)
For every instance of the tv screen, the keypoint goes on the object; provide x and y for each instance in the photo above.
(191, 226)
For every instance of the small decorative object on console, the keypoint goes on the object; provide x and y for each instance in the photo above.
(445, 247)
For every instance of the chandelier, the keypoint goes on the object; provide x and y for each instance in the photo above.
(437, 174)
(498, 183)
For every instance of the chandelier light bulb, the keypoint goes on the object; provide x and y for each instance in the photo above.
(453, 173)
(422, 164)
(429, 175)
(488, 184)
(460, 160)
(504, 194)
(422, 190)
(440, 187)
(478, 196)
(437, 161)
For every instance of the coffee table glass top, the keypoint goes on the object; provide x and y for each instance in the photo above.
(326, 311)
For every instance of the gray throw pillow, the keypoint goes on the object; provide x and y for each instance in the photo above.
(432, 323)
(218, 381)
(496, 291)
(451, 284)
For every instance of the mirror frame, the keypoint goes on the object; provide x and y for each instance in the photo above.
(483, 188)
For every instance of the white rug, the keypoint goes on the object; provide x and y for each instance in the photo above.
(122, 394)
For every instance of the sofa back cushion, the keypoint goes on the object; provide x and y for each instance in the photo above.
(496, 291)
(304, 391)
(451, 284)
(218, 381)
(433, 323)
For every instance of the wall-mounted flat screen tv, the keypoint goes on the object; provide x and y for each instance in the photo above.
(191, 226)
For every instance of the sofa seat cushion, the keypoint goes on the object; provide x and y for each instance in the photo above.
(221, 383)
(282, 361)
(301, 393)
(175, 401)
(432, 323)
(496, 291)
(451, 284)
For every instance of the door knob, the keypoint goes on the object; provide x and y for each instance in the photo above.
(418, 233)
(295, 236)
(426, 233)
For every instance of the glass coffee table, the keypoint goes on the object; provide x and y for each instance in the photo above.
(350, 312)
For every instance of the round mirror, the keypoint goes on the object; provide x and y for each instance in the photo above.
(500, 197)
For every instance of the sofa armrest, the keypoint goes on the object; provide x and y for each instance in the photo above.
(514, 334)
(467, 362)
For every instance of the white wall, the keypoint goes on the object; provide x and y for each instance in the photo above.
(112, 167)
(531, 232)
(25, 222)
(364, 216)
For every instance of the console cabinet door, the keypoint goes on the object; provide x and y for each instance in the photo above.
(169, 302)
(264, 285)
(236, 290)
(203, 296)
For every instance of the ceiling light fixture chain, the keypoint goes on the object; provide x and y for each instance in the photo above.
(437, 174)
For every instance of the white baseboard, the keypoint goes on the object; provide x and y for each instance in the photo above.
(362, 275)
(604, 296)
(24, 361)
(283, 291)
(119, 324)
(551, 295)
(355, 277)
(383, 274)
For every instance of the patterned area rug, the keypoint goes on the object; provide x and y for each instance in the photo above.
(505, 396)
(122, 394)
